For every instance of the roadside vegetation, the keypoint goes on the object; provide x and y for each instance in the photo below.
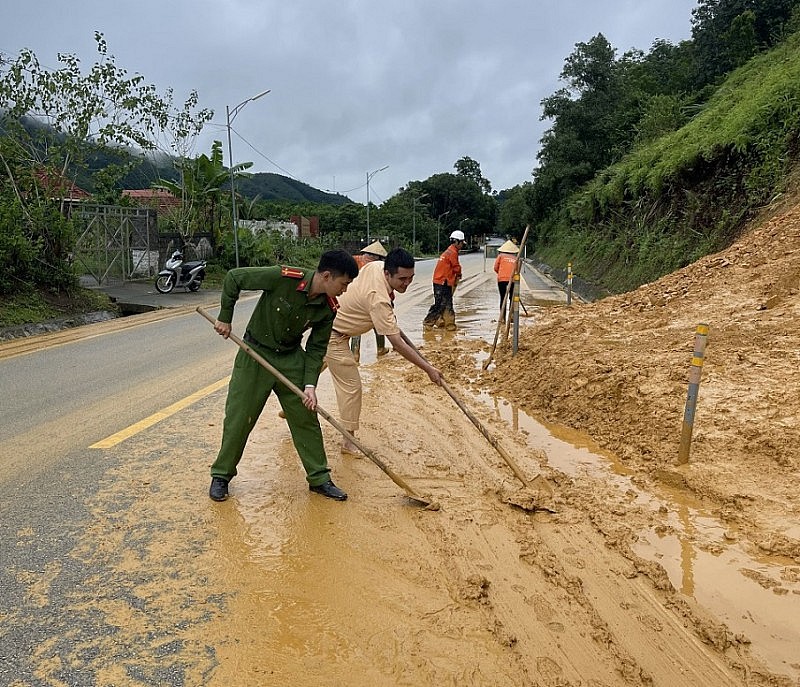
(651, 160)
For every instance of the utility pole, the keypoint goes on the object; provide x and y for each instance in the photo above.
(414, 221)
(439, 231)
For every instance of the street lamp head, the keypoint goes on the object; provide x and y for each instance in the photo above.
(232, 112)
(372, 174)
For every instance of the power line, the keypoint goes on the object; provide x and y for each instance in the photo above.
(289, 174)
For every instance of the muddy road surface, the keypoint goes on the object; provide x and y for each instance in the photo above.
(615, 567)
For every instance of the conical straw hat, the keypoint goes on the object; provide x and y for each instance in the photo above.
(375, 248)
(508, 247)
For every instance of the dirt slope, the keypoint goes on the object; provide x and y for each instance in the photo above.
(618, 370)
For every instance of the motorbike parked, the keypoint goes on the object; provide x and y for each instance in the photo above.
(176, 272)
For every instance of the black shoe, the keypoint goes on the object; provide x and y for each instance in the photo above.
(330, 490)
(219, 489)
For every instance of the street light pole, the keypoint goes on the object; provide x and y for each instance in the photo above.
(439, 229)
(462, 222)
(369, 176)
(230, 115)
(414, 221)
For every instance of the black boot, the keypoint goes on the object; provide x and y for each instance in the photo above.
(219, 489)
(330, 490)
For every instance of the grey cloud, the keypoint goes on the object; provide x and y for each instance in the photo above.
(356, 85)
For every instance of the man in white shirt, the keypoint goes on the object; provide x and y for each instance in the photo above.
(368, 304)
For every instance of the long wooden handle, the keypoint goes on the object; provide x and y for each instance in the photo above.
(492, 440)
(399, 481)
(475, 421)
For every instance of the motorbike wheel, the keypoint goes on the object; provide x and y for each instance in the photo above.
(194, 286)
(165, 284)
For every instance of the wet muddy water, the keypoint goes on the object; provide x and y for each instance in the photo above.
(290, 541)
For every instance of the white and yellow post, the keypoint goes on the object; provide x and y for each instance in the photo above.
(695, 372)
(515, 313)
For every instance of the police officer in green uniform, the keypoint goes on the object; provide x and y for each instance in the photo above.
(292, 301)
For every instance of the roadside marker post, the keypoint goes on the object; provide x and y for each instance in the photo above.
(695, 372)
(515, 314)
(569, 283)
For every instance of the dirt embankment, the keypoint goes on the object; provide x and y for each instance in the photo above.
(618, 370)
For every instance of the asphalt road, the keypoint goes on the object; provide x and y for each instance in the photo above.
(63, 393)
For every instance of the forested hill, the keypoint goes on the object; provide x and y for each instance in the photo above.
(269, 186)
(719, 157)
(260, 186)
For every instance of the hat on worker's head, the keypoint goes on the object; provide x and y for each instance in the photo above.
(508, 247)
(375, 248)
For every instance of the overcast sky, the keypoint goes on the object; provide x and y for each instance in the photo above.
(356, 85)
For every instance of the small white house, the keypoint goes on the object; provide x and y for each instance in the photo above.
(256, 226)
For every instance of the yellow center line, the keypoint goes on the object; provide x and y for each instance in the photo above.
(128, 432)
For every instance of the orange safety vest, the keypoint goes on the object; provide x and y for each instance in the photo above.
(448, 269)
(504, 265)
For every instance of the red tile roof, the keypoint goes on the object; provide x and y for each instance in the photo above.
(153, 197)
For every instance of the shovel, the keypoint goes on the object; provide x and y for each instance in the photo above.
(399, 481)
(542, 487)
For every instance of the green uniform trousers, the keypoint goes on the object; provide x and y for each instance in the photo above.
(248, 391)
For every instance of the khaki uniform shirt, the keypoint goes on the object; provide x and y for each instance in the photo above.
(367, 304)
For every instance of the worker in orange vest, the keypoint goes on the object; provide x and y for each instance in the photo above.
(374, 251)
(504, 265)
(445, 279)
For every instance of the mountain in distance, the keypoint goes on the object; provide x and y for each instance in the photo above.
(270, 186)
(148, 168)
(263, 185)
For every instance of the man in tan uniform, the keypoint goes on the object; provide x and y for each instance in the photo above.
(368, 304)
(374, 251)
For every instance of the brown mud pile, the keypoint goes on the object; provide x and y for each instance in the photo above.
(618, 369)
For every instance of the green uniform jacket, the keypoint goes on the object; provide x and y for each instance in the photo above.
(283, 313)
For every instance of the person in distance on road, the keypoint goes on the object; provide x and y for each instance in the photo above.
(504, 265)
(369, 304)
(292, 301)
(446, 276)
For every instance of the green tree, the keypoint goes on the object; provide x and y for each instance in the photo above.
(581, 139)
(201, 191)
(49, 119)
(515, 211)
(469, 168)
(455, 201)
(726, 33)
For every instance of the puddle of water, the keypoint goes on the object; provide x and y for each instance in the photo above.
(755, 595)
(752, 597)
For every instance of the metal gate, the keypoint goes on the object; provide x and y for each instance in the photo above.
(115, 243)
